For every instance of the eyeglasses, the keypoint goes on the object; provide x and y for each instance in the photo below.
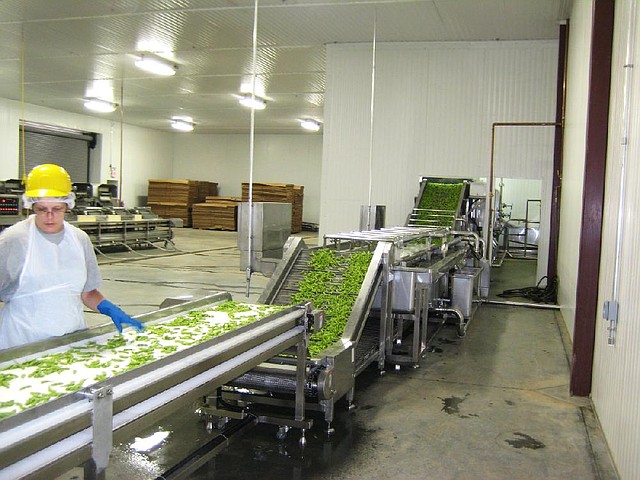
(55, 211)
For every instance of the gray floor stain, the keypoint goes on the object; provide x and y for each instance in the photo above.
(451, 405)
(525, 441)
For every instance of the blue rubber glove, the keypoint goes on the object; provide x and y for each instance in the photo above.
(118, 316)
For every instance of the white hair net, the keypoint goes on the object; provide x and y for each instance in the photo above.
(70, 200)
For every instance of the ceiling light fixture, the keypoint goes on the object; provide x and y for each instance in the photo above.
(98, 105)
(155, 65)
(309, 124)
(184, 124)
(254, 102)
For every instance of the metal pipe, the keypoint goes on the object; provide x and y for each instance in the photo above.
(523, 304)
(628, 66)
(457, 312)
(478, 242)
(121, 143)
(373, 90)
(251, 146)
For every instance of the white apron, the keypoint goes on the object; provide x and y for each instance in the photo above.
(47, 302)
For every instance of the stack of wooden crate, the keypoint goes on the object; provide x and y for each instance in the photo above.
(216, 213)
(175, 198)
(279, 192)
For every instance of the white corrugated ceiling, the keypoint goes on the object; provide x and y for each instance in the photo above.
(54, 52)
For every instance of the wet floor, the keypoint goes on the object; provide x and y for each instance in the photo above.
(492, 405)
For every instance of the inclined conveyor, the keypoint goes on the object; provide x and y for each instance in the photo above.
(79, 428)
(418, 279)
(440, 203)
(331, 373)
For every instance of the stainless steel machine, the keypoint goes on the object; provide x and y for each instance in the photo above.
(53, 431)
(270, 226)
(11, 202)
(10, 209)
(108, 226)
(441, 202)
(418, 279)
(118, 227)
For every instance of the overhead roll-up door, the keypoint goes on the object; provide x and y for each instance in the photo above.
(68, 148)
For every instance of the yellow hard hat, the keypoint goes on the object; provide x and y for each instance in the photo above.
(48, 180)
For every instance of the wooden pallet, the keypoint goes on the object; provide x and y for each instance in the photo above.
(279, 192)
(217, 213)
(174, 198)
(185, 192)
(172, 210)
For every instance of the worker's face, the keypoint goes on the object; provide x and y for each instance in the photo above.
(50, 216)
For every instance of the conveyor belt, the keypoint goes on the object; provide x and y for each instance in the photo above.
(299, 269)
(331, 372)
(368, 348)
(46, 440)
(289, 282)
(379, 334)
(439, 202)
(280, 382)
(127, 233)
(289, 286)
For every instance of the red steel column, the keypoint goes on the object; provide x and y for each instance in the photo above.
(593, 197)
(556, 182)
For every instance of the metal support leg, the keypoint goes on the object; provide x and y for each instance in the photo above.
(384, 344)
(415, 347)
(300, 380)
(350, 397)
(102, 422)
(424, 316)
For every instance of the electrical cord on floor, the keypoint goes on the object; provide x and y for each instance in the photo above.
(548, 294)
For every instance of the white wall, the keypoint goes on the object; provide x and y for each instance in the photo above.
(224, 159)
(573, 157)
(516, 192)
(146, 153)
(616, 369)
(433, 112)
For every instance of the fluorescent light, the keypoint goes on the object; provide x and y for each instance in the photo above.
(255, 85)
(254, 102)
(309, 124)
(155, 65)
(184, 124)
(98, 105)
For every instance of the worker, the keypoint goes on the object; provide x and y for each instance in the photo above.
(48, 268)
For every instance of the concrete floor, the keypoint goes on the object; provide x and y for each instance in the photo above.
(493, 405)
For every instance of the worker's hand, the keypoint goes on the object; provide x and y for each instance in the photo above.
(118, 316)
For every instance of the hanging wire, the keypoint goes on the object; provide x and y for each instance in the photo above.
(373, 90)
(23, 158)
(251, 147)
(121, 141)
